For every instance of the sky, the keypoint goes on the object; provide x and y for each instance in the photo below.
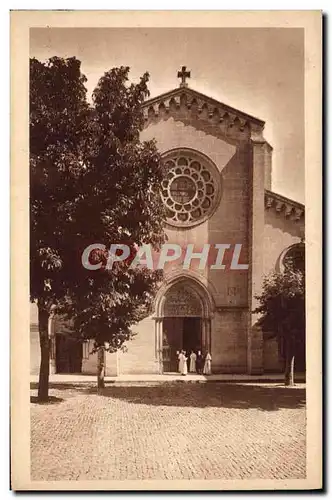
(259, 71)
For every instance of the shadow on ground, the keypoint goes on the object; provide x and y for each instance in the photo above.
(219, 395)
(51, 400)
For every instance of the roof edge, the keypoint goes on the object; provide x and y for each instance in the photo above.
(284, 198)
(212, 101)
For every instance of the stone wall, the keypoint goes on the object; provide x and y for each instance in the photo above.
(229, 341)
(89, 361)
(229, 224)
(280, 232)
(272, 361)
(34, 349)
(141, 351)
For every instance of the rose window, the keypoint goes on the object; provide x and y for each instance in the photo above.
(191, 188)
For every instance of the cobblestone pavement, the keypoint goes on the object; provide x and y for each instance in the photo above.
(175, 431)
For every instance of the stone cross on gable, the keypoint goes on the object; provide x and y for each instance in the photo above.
(183, 74)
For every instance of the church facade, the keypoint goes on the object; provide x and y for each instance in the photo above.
(218, 196)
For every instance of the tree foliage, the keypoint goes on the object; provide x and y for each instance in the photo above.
(282, 306)
(92, 181)
(282, 303)
(121, 205)
(59, 117)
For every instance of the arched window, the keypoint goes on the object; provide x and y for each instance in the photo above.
(293, 258)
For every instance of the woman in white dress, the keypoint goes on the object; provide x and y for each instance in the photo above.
(207, 364)
(184, 370)
(192, 367)
(180, 358)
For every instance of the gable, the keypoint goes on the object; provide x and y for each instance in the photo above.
(203, 113)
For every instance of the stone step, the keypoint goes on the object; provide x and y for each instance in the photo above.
(128, 380)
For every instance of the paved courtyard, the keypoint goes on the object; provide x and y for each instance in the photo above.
(171, 431)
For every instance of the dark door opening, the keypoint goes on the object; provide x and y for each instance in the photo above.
(191, 334)
(69, 354)
(172, 342)
(180, 333)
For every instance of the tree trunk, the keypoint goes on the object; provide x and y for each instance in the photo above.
(44, 371)
(289, 365)
(101, 368)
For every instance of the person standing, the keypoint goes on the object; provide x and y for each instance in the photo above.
(193, 358)
(207, 364)
(199, 362)
(180, 358)
(184, 367)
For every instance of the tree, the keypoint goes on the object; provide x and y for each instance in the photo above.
(121, 205)
(282, 309)
(59, 116)
(110, 195)
(122, 300)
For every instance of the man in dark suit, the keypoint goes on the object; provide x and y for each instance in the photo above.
(199, 362)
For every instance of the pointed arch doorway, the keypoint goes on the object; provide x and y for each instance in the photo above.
(184, 323)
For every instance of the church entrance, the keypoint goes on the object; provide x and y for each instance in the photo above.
(184, 324)
(180, 333)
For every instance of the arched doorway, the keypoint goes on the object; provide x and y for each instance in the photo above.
(184, 323)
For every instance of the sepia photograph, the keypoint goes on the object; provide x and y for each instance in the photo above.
(166, 254)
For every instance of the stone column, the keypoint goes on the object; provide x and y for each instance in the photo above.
(206, 334)
(208, 330)
(51, 336)
(117, 363)
(256, 261)
(204, 338)
(158, 343)
(268, 166)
